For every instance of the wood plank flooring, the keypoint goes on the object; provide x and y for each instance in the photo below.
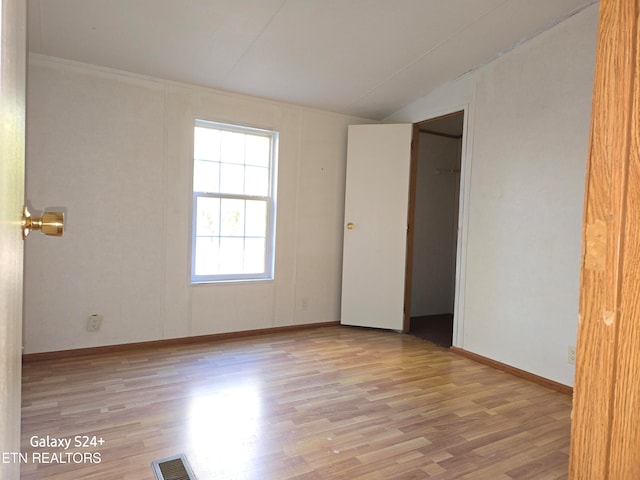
(326, 403)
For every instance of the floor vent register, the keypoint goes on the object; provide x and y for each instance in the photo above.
(173, 468)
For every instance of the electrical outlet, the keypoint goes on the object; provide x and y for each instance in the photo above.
(571, 355)
(95, 321)
(305, 304)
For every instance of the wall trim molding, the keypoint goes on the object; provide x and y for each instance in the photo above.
(545, 382)
(80, 352)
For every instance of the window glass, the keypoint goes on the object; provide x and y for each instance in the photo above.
(233, 203)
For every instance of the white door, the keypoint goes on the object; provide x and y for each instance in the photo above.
(12, 121)
(375, 236)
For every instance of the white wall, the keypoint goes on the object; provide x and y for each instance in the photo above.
(113, 150)
(524, 165)
(435, 225)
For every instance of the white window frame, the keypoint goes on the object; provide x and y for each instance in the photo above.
(270, 199)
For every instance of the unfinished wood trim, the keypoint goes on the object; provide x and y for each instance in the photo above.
(79, 352)
(408, 276)
(441, 117)
(545, 382)
(605, 439)
(411, 214)
(439, 134)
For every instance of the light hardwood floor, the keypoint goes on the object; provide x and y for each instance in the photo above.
(326, 403)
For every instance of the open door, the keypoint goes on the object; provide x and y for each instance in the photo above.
(432, 246)
(375, 237)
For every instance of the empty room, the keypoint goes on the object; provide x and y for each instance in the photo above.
(244, 222)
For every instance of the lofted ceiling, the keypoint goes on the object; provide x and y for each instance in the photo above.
(361, 57)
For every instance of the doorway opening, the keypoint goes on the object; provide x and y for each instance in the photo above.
(433, 228)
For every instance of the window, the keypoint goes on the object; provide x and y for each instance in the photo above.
(234, 171)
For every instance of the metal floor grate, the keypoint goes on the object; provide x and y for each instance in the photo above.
(173, 468)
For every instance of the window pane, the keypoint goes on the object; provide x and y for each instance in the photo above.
(206, 145)
(258, 150)
(232, 147)
(206, 176)
(231, 178)
(207, 256)
(254, 255)
(207, 216)
(256, 218)
(231, 255)
(257, 181)
(234, 203)
(232, 218)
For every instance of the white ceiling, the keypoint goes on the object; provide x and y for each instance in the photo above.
(362, 57)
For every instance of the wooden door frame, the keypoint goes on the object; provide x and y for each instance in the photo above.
(605, 438)
(413, 171)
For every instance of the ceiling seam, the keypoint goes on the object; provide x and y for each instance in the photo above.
(41, 29)
(526, 38)
(535, 33)
(420, 57)
(256, 38)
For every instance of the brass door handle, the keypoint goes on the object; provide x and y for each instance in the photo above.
(50, 223)
(350, 226)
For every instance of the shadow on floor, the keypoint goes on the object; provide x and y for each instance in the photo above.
(437, 329)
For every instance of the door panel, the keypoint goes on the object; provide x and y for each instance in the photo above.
(376, 205)
(12, 116)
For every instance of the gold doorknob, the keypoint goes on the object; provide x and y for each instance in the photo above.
(350, 226)
(50, 223)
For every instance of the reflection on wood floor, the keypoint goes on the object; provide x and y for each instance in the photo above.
(326, 403)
